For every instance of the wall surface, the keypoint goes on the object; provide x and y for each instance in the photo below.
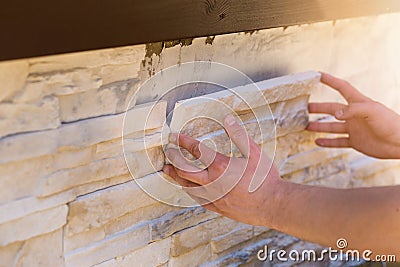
(67, 197)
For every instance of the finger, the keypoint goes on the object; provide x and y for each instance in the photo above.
(239, 136)
(350, 93)
(170, 171)
(356, 110)
(186, 170)
(325, 108)
(205, 154)
(335, 142)
(327, 127)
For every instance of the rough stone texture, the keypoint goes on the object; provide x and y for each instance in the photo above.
(195, 257)
(12, 78)
(173, 222)
(34, 252)
(201, 234)
(18, 118)
(44, 222)
(116, 245)
(115, 202)
(82, 133)
(110, 99)
(232, 238)
(48, 168)
(155, 254)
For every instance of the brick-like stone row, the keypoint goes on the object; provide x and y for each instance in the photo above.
(82, 133)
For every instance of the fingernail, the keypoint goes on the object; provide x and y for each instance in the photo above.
(339, 113)
(173, 137)
(230, 120)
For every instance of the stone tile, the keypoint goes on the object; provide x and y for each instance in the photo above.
(232, 238)
(260, 132)
(111, 247)
(110, 99)
(176, 221)
(217, 105)
(307, 159)
(29, 205)
(154, 254)
(195, 257)
(367, 166)
(139, 215)
(33, 225)
(45, 250)
(83, 239)
(66, 179)
(144, 162)
(20, 179)
(201, 234)
(82, 133)
(100, 207)
(318, 171)
(13, 76)
(34, 251)
(88, 59)
(18, 118)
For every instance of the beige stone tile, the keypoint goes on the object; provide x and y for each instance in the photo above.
(217, 105)
(82, 133)
(176, 221)
(232, 238)
(154, 254)
(13, 76)
(201, 234)
(32, 225)
(195, 257)
(111, 247)
(18, 118)
(66, 179)
(111, 99)
(98, 208)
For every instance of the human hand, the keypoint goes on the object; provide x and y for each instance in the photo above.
(372, 128)
(239, 188)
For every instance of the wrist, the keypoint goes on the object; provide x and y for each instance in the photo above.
(277, 196)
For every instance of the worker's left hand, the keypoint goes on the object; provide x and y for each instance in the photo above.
(211, 186)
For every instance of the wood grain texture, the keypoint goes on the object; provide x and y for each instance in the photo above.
(35, 28)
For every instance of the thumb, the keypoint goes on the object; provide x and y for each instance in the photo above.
(239, 135)
(355, 110)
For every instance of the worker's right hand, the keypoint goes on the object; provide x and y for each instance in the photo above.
(371, 127)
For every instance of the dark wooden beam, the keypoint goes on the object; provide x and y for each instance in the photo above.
(45, 27)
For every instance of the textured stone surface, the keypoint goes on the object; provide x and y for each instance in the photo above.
(34, 252)
(110, 99)
(195, 257)
(111, 247)
(18, 118)
(173, 222)
(232, 238)
(155, 254)
(21, 229)
(83, 133)
(28, 205)
(13, 75)
(201, 234)
(115, 202)
(217, 105)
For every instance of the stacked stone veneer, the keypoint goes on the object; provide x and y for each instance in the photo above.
(67, 197)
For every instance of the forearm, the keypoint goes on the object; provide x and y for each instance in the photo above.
(368, 218)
